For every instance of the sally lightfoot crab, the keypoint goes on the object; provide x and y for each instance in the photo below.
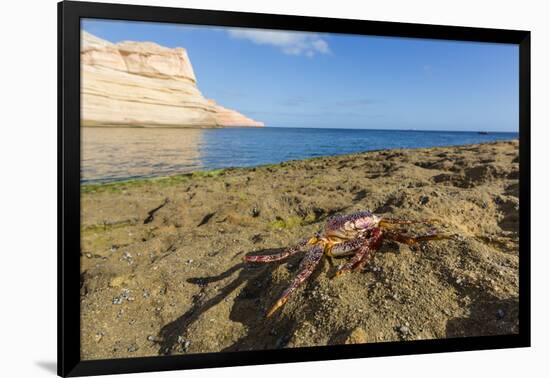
(359, 234)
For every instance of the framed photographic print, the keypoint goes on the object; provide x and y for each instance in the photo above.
(239, 188)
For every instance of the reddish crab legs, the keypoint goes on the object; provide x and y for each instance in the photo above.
(359, 234)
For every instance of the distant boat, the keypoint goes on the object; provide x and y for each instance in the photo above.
(483, 133)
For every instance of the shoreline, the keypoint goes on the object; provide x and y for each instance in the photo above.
(161, 259)
(217, 171)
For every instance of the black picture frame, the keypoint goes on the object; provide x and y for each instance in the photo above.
(69, 15)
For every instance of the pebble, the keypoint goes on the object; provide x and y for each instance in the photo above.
(117, 300)
(125, 295)
(500, 313)
(132, 348)
(127, 257)
(151, 338)
(98, 337)
(255, 212)
(184, 344)
(190, 261)
(404, 330)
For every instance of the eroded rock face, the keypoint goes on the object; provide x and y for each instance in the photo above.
(143, 84)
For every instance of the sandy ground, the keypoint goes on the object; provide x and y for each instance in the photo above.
(162, 270)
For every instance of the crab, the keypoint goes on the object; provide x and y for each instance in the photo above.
(359, 234)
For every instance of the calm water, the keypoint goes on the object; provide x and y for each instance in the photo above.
(118, 154)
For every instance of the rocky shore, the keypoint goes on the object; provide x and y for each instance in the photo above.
(162, 270)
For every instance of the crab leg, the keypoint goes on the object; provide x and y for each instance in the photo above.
(307, 266)
(364, 254)
(279, 256)
(389, 222)
(375, 244)
(410, 240)
(345, 248)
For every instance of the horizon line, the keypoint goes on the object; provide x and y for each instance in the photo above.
(376, 129)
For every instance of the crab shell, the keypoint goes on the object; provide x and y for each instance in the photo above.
(351, 225)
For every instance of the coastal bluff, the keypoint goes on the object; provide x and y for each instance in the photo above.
(142, 84)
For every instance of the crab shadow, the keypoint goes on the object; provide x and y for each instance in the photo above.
(256, 293)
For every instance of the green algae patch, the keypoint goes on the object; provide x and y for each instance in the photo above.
(105, 227)
(291, 222)
(166, 181)
(212, 173)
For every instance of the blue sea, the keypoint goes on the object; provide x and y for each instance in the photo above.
(113, 154)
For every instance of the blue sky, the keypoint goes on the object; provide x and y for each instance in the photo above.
(294, 79)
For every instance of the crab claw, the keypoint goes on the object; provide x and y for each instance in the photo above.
(276, 306)
(341, 271)
(304, 244)
(307, 266)
(363, 255)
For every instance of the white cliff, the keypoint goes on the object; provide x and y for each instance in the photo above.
(142, 84)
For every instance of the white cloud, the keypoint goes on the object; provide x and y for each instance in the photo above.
(291, 43)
